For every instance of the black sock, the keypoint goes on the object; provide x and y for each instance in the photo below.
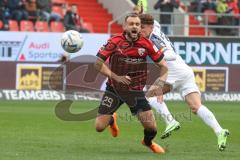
(111, 121)
(149, 134)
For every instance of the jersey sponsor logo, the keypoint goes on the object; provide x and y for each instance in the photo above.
(141, 51)
(133, 60)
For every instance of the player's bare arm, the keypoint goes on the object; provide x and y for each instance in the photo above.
(157, 88)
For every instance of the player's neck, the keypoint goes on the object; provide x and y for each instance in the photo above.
(130, 39)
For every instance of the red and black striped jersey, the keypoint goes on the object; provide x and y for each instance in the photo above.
(129, 58)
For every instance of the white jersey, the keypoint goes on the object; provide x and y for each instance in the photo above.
(177, 69)
(180, 75)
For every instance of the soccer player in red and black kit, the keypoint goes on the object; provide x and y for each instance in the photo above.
(126, 74)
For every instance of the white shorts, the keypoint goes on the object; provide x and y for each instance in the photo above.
(184, 83)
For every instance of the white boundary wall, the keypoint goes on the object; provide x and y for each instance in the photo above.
(117, 7)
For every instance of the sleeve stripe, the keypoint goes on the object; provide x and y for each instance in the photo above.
(101, 56)
(162, 50)
(160, 58)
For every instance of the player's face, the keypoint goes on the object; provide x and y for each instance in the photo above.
(132, 27)
(146, 30)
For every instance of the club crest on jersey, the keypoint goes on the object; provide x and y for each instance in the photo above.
(141, 51)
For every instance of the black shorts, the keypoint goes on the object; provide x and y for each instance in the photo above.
(113, 99)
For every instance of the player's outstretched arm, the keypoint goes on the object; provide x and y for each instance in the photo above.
(103, 69)
(157, 88)
(163, 70)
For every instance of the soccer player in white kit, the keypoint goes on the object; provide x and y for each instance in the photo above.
(182, 79)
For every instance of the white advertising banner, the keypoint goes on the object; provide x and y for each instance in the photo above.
(96, 96)
(43, 47)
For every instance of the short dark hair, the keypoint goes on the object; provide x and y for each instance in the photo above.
(146, 19)
(131, 15)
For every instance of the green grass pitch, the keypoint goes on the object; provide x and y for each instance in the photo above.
(31, 131)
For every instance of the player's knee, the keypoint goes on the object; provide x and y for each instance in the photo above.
(152, 130)
(194, 101)
(99, 128)
(194, 108)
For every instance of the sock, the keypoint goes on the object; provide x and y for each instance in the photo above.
(149, 134)
(162, 109)
(207, 116)
(111, 121)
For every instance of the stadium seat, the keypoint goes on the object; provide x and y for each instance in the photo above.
(57, 26)
(88, 26)
(13, 25)
(41, 26)
(211, 16)
(26, 25)
(1, 24)
(58, 2)
(58, 10)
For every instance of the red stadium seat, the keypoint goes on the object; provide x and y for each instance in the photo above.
(26, 26)
(211, 16)
(13, 25)
(1, 24)
(41, 26)
(88, 26)
(58, 2)
(58, 10)
(57, 26)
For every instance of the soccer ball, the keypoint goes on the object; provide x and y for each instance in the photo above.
(71, 41)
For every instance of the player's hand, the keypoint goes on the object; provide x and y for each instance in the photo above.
(122, 79)
(155, 91)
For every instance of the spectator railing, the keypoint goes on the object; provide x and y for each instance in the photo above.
(186, 26)
(115, 20)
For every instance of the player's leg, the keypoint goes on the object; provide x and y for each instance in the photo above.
(150, 130)
(139, 106)
(192, 96)
(162, 109)
(194, 102)
(102, 122)
(106, 116)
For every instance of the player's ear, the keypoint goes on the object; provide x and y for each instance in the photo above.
(124, 26)
(152, 27)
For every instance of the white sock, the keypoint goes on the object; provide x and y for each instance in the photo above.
(207, 116)
(162, 109)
